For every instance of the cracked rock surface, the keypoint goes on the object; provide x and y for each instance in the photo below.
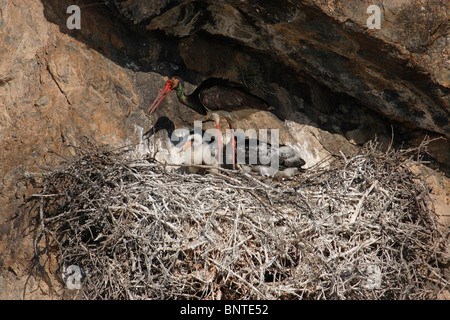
(335, 84)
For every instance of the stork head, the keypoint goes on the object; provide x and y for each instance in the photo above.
(171, 84)
(203, 148)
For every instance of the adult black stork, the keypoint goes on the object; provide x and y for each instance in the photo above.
(216, 98)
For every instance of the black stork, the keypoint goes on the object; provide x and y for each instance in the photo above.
(215, 98)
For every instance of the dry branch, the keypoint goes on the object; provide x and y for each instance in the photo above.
(360, 230)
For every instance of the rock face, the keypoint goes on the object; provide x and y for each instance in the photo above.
(400, 70)
(335, 83)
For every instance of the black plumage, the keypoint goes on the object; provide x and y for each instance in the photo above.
(217, 94)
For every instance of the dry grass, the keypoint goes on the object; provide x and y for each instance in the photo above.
(362, 229)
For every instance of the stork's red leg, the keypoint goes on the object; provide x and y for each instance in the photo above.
(234, 146)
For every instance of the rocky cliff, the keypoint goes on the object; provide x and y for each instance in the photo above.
(334, 82)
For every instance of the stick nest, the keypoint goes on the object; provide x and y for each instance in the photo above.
(362, 229)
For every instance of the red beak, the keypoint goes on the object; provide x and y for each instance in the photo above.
(160, 97)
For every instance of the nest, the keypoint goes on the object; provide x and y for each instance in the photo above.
(362, 229)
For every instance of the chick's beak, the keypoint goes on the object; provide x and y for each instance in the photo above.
(186, 146)
(160, 97)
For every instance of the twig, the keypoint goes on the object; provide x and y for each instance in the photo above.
(361, 201)
(141, 231)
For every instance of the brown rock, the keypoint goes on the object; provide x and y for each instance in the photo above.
(314, 61)
(395, 70)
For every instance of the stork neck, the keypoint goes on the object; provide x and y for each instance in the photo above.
(190, 101)
(181, 95)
